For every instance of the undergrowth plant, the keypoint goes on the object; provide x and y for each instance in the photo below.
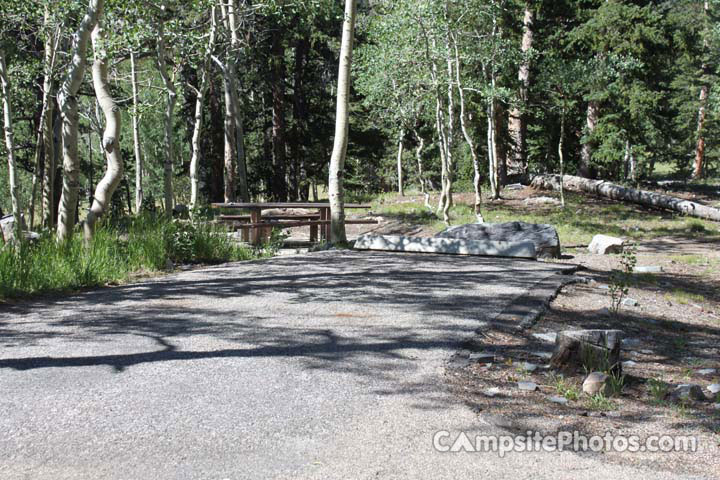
(620, 280)
(144, 243)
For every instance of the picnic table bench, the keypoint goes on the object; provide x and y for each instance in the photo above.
(257, 227)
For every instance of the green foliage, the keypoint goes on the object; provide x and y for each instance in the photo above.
(142, 244)
(600, 402)
(657, 390)
(620, 280)
(565, 388)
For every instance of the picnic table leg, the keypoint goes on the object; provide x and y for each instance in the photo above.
(313, 233)
(255, 232)
(326, 228)
(323, 232)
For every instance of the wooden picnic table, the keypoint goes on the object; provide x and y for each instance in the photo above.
(259, 228)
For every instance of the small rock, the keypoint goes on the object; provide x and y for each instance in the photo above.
(546, 355)
(714, 388)
(491, 392)
(595, 383)
(629, 363)
(604, 312)
(169, 265)
(542, 201)
(595, 414)
(631, 342)
(546, 337)
(613, 414)
(529, 367)
(558, 399)
(647, 352)
(716, 406)
(687, 392)
(649, 269)
(605, 245)
(482, 357)
(630, 302)
(514, 186)
(604, 287)
(527, 386)
(707, 371)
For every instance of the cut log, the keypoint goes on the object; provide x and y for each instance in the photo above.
(626, 194)
(594, 350)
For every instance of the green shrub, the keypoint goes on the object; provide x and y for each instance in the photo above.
(144, 243)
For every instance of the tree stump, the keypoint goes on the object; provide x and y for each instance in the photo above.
(595, 350)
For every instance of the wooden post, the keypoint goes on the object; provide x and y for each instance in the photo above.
(324, 229)
(255, 217)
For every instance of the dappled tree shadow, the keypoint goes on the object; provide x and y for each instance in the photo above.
(367, 314)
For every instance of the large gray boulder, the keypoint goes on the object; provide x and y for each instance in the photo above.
(7, 224)
(545, 237)
(7, 228)
(400, 243)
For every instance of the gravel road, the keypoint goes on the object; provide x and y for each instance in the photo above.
(326, 365)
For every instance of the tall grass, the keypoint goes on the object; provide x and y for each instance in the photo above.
(140, 244)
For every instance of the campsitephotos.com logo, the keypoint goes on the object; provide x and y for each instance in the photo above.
(445, 441)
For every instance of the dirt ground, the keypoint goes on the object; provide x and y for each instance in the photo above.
(671, 325)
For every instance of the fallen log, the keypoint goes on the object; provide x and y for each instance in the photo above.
(626, 194)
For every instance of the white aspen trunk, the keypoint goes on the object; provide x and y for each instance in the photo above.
(139, 167)
(68, 105)
(197, 128)
(10, 146)
(401, 190)
(700, 145)
(562, 158)
(439, 120)
(230, 124)
(48, 205)
(704, 93)
(111, 136)
(195, 156)
(421, 174)
(591, 119)
(468, 139)
(230, 140)
(418, 158)
(442, 145)
(517, 161)
(631, 195)
(239, 117)
(48, 182)
(449, 135)
(493, 145)
(342, 119)
(41, 155)
(169, 119)
(491, 150)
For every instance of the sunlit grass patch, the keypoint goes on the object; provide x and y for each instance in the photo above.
(684, 298)
(582, 218)
(141, 244)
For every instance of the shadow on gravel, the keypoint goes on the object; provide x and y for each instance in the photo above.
(337, 311)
